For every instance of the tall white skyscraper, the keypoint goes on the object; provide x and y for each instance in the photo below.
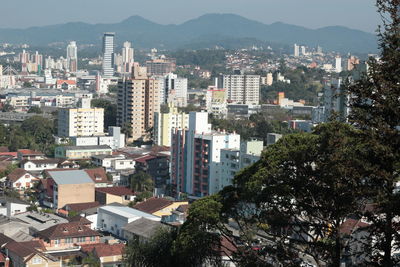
(338, 64)
(72, 56)
(108, 54)
(296, 52)
(174, 90)
(127, 57)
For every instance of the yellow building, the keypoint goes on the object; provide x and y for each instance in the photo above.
(164, 123)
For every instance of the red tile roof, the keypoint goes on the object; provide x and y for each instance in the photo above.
(70, 82)
(98, 175)
(104, 250)
(16, 174)
(350, 225)
(153, 204)
(81, 219)
(81, 206)
(144, 159)
(63, 230)
(12, 154)
(27, 152)
(20, 249)
(116, 191)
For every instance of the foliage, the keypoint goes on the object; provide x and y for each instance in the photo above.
(35, 109)
(141, 182)
(142, 196)
(304, 84)
(110, 111)
(189, 108)
(91, 261)
(375, 109)
(257, 126)
(7, 108)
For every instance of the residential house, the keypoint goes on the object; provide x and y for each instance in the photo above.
(69, 187)
(159, 206)
(108, 195)
(113, 162)
(99, 177)
(143, 229)
(27, 254)
(156, 165)
(20, 179)
(81, 152)
(112, 218)
(39, 164)
(12, 206)
(110, 255)
(28, 154)
(76, 208)
(68, 236)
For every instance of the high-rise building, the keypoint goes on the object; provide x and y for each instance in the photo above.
(296, 51)
(174, 90)
(164, 123)
(160, 66)
(242, 89)
(72, 56)
(319, 50)
(270, 79)
(81, 121)
(338, 64)
(196, 155)
(108, 54)
(303, 50)
(352, 62)
(137, 102)
(127, 57)
(335, 100)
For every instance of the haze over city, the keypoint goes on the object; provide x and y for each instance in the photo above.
(357, 14)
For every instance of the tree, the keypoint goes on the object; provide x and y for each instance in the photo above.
(110, 111)
(91, 261)
(375, 109)
(7, 108)
(35, 109)
(154, 252)
(141, 182)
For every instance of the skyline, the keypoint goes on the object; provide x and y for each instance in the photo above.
(355, 14)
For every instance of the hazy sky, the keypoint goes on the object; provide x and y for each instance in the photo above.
(357, 14)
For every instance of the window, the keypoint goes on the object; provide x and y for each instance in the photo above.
(57, 241)
(36, 260)
(92, 238)
(68, 240)
(81, 239)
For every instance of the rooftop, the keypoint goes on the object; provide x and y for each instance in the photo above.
(82, 206)
(86, 147)
(153, 204)
(70, 177)
(39, 221)
(128, 212)
(16, 174)
(69, 229)
(116, 191)
(29, 152)
(144, 227)
(98, 175)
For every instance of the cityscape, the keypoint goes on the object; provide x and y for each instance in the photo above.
(276, 148)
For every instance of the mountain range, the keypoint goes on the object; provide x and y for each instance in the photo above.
(203, 32)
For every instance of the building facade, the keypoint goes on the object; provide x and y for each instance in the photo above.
(108, 54)
(81, 121)
(242, 89)
(138, 100)
(164, 123)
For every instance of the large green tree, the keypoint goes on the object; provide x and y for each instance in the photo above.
(375, 109)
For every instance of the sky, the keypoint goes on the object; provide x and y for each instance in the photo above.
(356, 14)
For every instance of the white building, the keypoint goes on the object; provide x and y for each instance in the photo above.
(195, 156)
(242, 89)
(127, 57)
(72, 56)
(108, 54)
(114, 163)
(173, 89)
(338, 64)
(81, 121)
(234, 160)
(296, 52)
(12, 206)
(113, 218)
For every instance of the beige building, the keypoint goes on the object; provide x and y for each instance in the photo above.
(70, 187)
(164, 123)
(138, 100)
(81, 121)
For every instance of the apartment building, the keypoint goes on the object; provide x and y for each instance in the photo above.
(81, 121)
(164, 123)
(242, 89)
(138, 100)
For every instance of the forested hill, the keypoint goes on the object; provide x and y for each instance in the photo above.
(204, 32)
